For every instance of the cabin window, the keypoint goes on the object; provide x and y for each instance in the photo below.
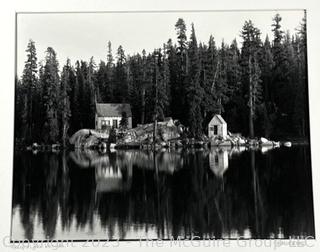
(215, 129)
(103, 124)
(115, 123)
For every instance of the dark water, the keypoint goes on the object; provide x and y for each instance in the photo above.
(219, 193)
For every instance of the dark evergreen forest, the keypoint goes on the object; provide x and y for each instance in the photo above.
(260, 87)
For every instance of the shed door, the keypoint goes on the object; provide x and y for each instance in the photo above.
(115, 123)
(215, 129)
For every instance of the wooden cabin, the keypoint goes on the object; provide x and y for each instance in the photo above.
(110, 115)
(217, 127)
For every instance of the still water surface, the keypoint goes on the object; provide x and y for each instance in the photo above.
(217, 193)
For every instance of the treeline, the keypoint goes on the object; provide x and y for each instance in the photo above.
(260, 89)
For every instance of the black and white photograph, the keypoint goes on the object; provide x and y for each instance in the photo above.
(160, 125)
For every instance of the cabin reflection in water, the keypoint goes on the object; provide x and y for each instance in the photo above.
(111, 175)
(113, 171)
(110, 178)
(219, 161)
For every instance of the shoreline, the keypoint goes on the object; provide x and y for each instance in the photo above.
(161, 145)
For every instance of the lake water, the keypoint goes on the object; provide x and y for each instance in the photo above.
(135, 194)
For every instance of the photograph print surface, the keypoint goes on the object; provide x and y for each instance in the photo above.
(162, 125)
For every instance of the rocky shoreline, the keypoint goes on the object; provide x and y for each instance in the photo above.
(167, 134)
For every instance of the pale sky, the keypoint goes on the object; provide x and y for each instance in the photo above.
(79, 36)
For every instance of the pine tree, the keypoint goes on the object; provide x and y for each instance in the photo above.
(124, 121)
(209, 65)
(166, 80)
(84, 93)
(280, 63)
(233, 68)
(219, 84)
(135, 85)
(281, 89)
(150, 84)
(102, 89)
(110, 56)
(267, 68)
(277, 41)
(18, 125)
(121, 87)
(181, 36)
(300, 114)
(51, 97)
(159, 86)
(92, 91)
(234, 95)
(173, 79)
(269, 107)
(251, 73)
(65, 112)
(109, 96)
(41, 94)
(255, 92)
(143, 86)
(179, 87)
(194, 90)
(76, 95)
(29, 84)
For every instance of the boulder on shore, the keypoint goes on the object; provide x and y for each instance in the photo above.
(287, 144)
(88, 138)
(165, 131)
(265, 142)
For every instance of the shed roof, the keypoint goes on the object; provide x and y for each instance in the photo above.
(220, 119)
(113, 109)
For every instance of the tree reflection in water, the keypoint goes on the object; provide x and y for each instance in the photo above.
(138, 194)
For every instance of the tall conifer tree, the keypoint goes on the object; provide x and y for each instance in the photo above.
(29, 87)
(51, 97)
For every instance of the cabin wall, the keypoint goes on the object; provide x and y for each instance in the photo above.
(99, 120)
(222, 129)
(129, 122)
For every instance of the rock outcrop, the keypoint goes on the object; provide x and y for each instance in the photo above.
(168, 133)
(88, 138)
(165, 131)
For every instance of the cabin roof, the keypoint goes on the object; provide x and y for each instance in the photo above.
(220, 119)
(113, 109)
